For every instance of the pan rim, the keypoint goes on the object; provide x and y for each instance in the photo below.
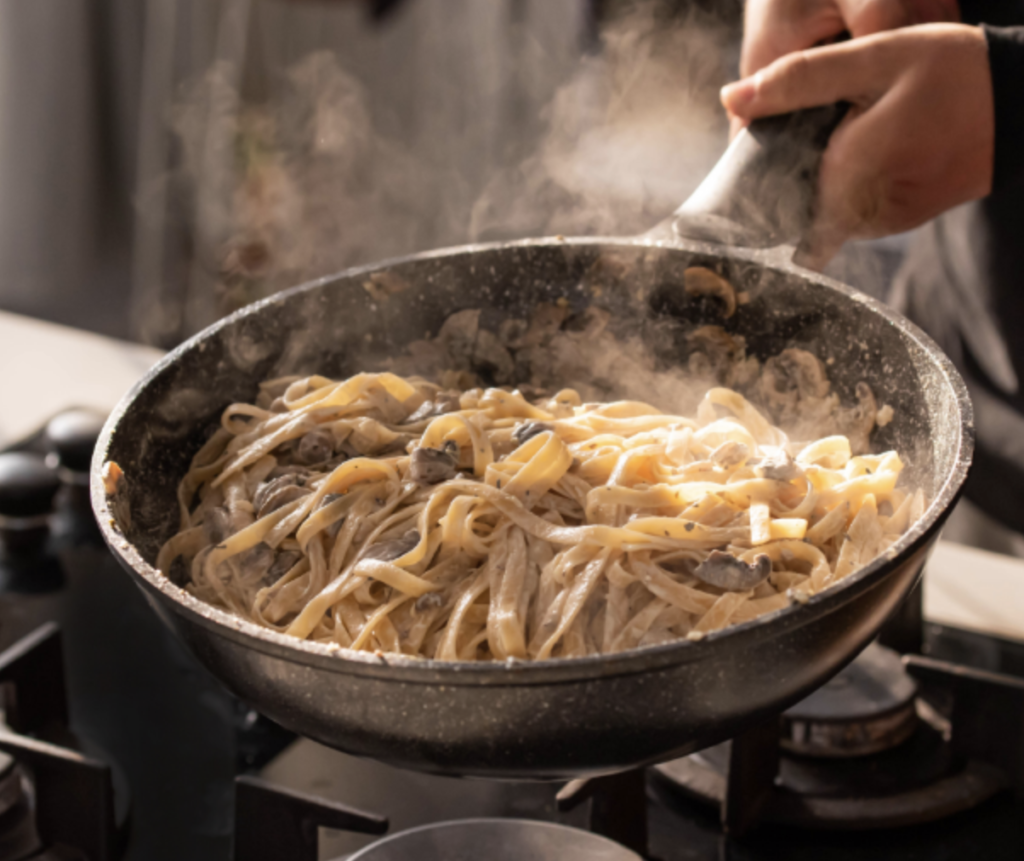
(512, 673)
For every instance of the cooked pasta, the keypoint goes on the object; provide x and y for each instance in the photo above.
(383, 513)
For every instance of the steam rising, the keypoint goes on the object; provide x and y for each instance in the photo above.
(627, 139)
(310, 174)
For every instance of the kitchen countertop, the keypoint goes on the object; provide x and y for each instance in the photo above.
(48, 368)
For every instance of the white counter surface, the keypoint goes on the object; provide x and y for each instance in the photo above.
(47, 368)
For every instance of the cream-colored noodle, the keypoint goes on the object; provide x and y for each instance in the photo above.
(553, 528)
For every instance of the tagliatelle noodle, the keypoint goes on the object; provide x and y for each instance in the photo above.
(554, 528)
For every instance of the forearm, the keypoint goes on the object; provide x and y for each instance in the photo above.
(1006, 60)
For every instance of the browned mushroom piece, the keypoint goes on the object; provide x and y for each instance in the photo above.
(528, 430)
(802, 370)
(300, 473)
(725, 571)
(490, 355)
(315, 447)
(288, 477)
(858, 422)
(701, 281)
(510, 330)
(458, 335)
(729, 453)
(280, 497)
(217, 524)
(433, 465)
(778, 465)
(388, 551)
(791, 383)
(719, 347)
(283, 563)
(545, 322)
(256, 561)
(443, 402)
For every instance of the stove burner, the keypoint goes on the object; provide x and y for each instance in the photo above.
(936, 766)
(867, 708)
(495, 840)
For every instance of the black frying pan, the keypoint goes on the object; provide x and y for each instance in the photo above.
(567, 717)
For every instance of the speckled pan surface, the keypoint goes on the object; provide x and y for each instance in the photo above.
(561, 717)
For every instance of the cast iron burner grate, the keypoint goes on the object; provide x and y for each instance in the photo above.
(931, 740)
(887, 743)
(56, 803)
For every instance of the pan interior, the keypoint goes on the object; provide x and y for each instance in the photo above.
(358, 320)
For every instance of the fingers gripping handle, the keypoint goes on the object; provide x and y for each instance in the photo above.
(761, 192)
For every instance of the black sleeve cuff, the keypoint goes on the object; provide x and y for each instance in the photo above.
(1006, 59)
(1000, 13)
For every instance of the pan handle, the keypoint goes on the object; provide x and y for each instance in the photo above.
(761, 191)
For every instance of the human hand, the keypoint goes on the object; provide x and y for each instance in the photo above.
(918, 140)
(774, 28)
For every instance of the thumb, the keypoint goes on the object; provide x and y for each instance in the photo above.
(804, 79)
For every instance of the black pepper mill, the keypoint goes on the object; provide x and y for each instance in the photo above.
(28, 486)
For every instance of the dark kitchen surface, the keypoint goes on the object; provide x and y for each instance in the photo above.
(180, 739)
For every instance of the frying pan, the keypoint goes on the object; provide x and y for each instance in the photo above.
(566, 717)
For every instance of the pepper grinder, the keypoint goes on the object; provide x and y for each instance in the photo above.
(28, 486)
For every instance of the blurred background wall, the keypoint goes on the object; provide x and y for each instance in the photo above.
(165, 161)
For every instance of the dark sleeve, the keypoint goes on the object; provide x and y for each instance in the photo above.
(1006, 59)
(998, 13)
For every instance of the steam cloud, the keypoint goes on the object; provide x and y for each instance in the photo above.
(311, 178)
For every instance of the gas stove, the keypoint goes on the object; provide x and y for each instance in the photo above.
(117, 744)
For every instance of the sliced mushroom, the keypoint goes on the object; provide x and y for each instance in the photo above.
(458, 335)
(544, 323)
(275, 483)
(443, 402)
(725, 571)
(280, 498)
(388, 551)
(433, 465)
(217, 524)
(779, 466)
(283, 563)
(315, 447)
(721, 348)
(490, 356)
(256, 561)
(730, 453)
(528, 430)
(858, 422)
(798, 369)
(301, 473)
(701, 281)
